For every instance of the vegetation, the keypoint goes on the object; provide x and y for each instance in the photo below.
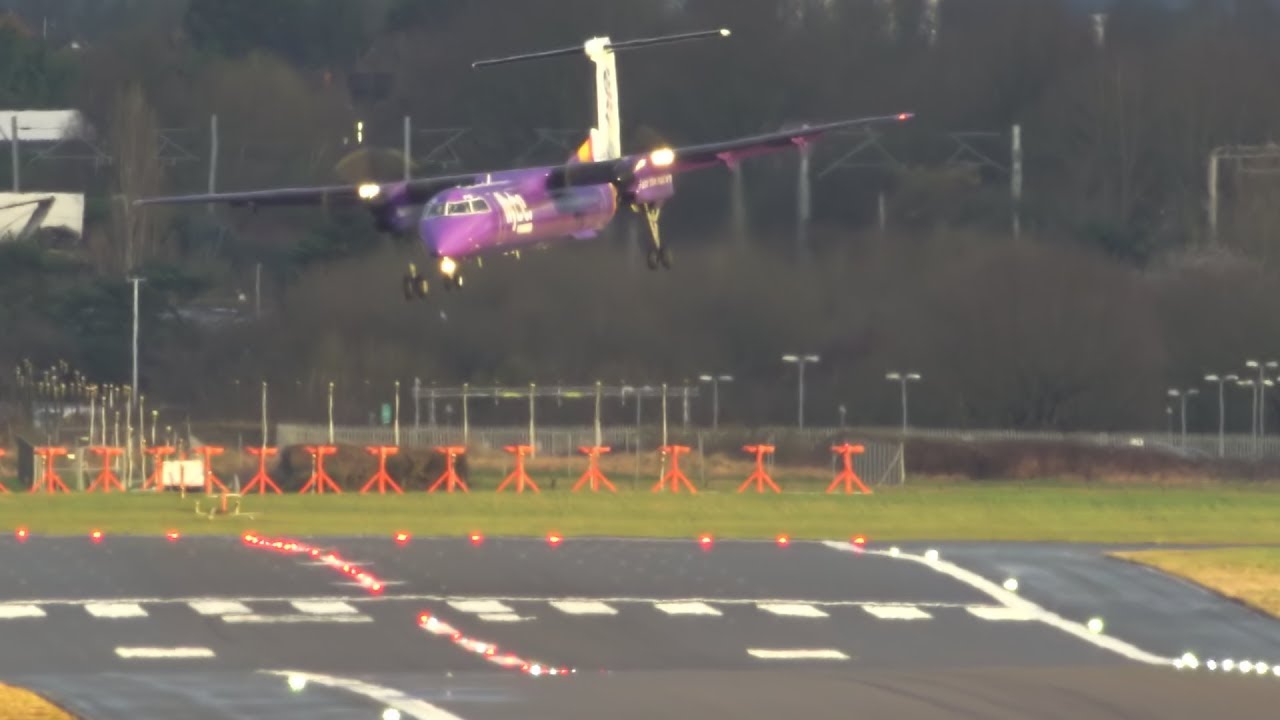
(1018, 511)
(1250, 575)
(1110, 295)
(21, 704)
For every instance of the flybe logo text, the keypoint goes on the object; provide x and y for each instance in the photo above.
(514, 208)
(653, 182)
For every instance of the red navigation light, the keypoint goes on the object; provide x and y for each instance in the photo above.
(705, 542)
(905, 116)
(476, 538)
(402, 538)
(22, 534)
(172, 535)
(784, 540)
(554, 539)
(96, 536)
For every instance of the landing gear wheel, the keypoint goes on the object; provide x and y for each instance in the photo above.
(652, 259)
(420, 286)
(664, 257)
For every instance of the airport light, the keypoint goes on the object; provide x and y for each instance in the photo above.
(1221, 380)
(801, 361)
(1182, 396)
(1260, 396)
(903, 378)
(715, 381)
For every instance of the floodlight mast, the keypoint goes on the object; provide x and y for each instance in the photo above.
(715, 381)
(903, 379)
(800, 361)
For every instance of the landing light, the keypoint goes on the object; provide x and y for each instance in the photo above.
(1011, 585)
(369, 191)
(391, 714)
(297, 683)
(724, 32)
(1095, 627)
(662, 157)
(448, 266)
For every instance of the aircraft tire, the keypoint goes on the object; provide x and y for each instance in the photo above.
(653, 259)
(664, 257)
(420, 287)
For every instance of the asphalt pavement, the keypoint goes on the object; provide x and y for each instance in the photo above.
(212, 628)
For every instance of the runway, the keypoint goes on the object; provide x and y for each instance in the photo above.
(213, 628)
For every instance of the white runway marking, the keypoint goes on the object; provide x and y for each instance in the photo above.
(415, 598)
(888, 612)
(501, 617)
(793, 610)
(115, 610)
(686, 608)
(165, 653)
(480, 606)
(1015, 601)
(820, 654)
(408, 705)
(583, 607)
(330, 607)
(11, 612)
(220, 607)
(1002, 613)
(270, 619)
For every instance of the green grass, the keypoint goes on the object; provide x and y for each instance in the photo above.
(1250, 575)
(968, 511)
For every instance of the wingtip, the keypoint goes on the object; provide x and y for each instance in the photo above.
(902, 117)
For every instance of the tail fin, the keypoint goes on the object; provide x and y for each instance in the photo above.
(584, 153)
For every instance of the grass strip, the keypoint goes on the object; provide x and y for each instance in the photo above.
(20, 704)
(1250, 575)
(977, 511)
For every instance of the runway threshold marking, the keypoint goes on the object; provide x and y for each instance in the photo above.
(1014, 601)
(892, 612)
(238, 619)
(432, 597)
(815, 654)
(410, 706)
(793, 609)
(220, 607)
(13, 612)
(165, 653)
(115, 610)
(324, 607)
(686, 608)
(583, 607)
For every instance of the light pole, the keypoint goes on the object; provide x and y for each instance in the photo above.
(1221, 380)
(903, 378)
(1182, 396)
(1261, 390)
(800, 360)
(715, 381)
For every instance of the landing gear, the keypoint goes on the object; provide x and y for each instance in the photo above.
(659, 254)
(451, 282)
(450, 274)
(413, 284)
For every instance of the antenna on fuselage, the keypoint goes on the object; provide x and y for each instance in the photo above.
(606, 136)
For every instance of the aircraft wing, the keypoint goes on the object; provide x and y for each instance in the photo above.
(409, 192)
(694, 157)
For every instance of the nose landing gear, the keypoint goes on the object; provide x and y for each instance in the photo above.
(413, 284)
(659, 254)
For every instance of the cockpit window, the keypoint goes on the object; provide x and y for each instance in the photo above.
(479, 206)
(459, 207)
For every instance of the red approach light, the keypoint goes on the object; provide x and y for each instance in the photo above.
(705, 542)
(476, 538)
(402, 538)
(96, 536)
(376, 587)
(554, 539)
(22, 534)
(423, 617)
(172, 535)
(784, 540)
(859, 540)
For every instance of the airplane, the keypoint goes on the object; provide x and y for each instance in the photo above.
(465, 217)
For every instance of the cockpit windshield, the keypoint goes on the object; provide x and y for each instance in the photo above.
(469, 206)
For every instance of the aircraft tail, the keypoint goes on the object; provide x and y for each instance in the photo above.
(585, 152)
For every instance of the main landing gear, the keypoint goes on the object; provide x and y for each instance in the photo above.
(659, 254)
(415, 285)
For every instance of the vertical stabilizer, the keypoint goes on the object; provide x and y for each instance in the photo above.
(607, 134)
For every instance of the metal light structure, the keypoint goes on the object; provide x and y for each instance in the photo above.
(715, 381)
(903, 378)
(1182, 396)
(801, 361)
(1260, 396)
(1221, 380)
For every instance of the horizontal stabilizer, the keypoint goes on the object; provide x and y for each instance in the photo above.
(612, 46)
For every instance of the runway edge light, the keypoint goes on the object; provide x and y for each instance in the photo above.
(22, 534)
(784, 540)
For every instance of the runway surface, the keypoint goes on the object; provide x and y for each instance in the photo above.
(213, 628)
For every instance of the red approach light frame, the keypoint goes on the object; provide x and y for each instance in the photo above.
(450, 478)
(261, 480)
(847, 476)
(381, 478)
(593, 474)
(106, 477)
(675, 475)
(51, 482)
(320, 480)
(760, 477)
(518, 475)
(210, 480)
(156, 479)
